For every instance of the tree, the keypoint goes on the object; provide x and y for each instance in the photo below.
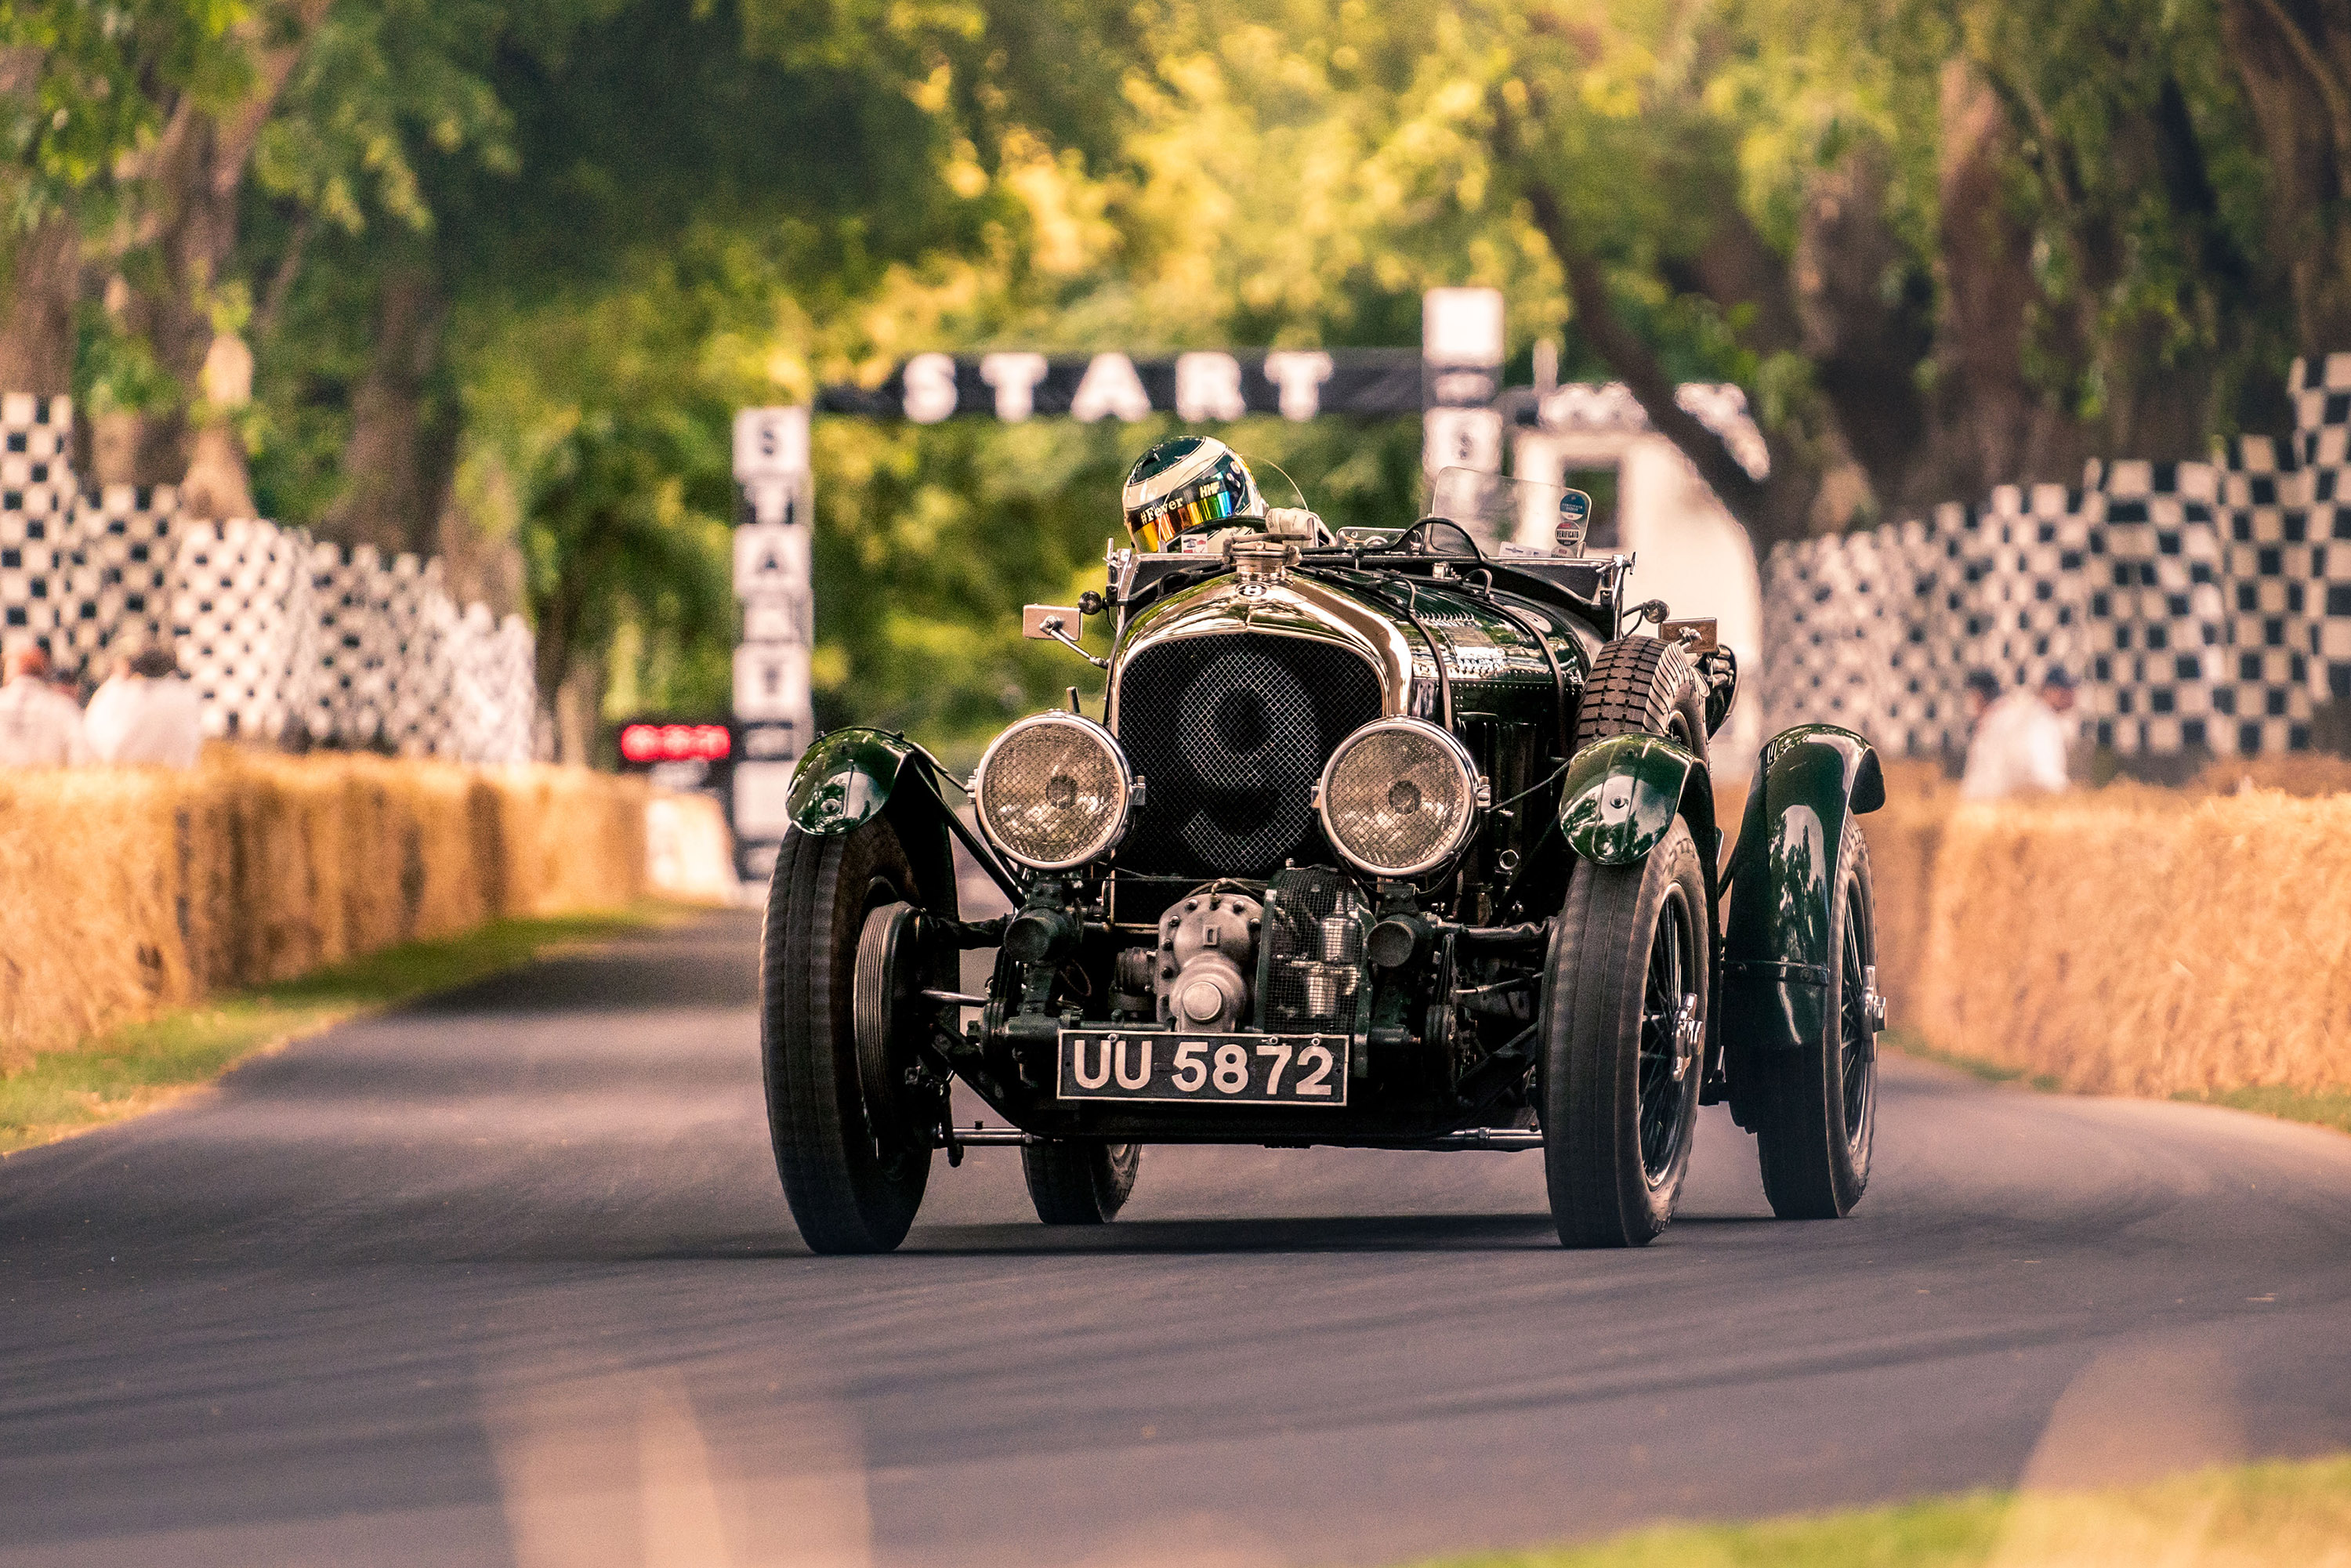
(612, 535)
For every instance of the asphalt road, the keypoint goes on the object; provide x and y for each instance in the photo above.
(507, 1278)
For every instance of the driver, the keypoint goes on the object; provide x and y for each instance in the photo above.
(1190, 494)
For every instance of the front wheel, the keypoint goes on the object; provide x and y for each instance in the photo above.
(1816, 1109)
(850, 1146)
(1625, 1000)
(1077, 1181)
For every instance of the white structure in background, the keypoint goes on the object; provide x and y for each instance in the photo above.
(280, 635)
(1461, 347)
(1689, 551)
(774, 579)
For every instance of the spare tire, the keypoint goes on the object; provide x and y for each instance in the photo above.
(1643, 685)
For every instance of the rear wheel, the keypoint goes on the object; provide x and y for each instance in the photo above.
(852, 1144)
(1643, 685)
(1624, 1002)
(1077, 1181)
(1816, 1109)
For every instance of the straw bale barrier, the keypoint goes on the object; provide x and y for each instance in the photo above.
(2126, 940)
(133, 888)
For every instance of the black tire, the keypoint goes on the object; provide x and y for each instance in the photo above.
(1815, 1110)
(1643, 685)
(853, 1178)
(1622, 1049)
(1077, 1181)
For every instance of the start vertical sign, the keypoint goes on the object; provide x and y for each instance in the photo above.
(773, 711)
(1461, 376)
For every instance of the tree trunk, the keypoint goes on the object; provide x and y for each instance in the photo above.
(2294, 59)
(1866, 339)
(1774, 509)
(191, 178)
(1990, 424)
(402, 447)
(36, 325)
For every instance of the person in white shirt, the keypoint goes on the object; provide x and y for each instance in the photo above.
(2020, 743)
(40, 726)
(146, 713)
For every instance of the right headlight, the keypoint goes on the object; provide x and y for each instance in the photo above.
(1399, 797)
(1054, 792)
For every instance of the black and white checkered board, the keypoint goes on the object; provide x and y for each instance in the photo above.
(275, 629)
(2207, 607)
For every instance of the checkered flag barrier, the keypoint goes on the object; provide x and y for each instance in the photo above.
(244, 620)
(282, 636)
(2205, 606)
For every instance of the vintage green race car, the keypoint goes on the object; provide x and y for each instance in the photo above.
(1397, 839)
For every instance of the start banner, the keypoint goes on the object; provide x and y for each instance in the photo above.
(1204, 386)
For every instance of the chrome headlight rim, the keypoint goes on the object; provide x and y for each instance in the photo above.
(1455, 842)
(1096, 848)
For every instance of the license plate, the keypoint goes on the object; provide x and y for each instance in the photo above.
(1163, 1067)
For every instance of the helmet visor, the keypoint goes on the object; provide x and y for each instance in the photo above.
(1214, 498)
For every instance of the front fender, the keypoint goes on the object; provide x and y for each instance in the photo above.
(1810, 782)
(1622, 794)
(852, 776)
(845, 781)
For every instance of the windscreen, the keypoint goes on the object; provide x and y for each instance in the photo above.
(1499, 511)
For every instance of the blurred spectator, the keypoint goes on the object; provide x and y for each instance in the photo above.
(2020, 742)
(40, 726)
(146, 713)
(1981, 690)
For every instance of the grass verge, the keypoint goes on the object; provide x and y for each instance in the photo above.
(2319, 1109)
(139, 1066)
(2283, 1512)
(1910, 1044)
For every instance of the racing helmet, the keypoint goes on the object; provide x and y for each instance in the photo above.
(1188, 482)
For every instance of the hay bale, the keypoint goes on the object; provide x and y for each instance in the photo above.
(2142, 942)
(136, 888)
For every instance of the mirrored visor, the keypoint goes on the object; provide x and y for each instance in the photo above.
(1213, 500)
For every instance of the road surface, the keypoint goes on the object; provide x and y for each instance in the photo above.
(507, 1278)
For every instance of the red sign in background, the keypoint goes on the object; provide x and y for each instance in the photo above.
(643, 743)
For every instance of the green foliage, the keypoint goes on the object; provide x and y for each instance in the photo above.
(632, 216)
(613, 536)
(2278, 1511)
(107, 68)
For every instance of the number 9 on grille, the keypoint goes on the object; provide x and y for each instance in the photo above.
(1400, 797)
(1054, 792)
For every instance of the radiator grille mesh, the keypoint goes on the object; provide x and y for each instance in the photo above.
(1231, 732)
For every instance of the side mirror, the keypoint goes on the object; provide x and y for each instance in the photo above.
(1696, 636)
(1057, 623)
(1574, 520)
(1049, 623)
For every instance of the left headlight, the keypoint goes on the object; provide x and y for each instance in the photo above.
(1054, 792)
(1400, 797)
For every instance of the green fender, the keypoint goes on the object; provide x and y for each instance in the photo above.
(1810, 782)
(852, 776)
(846, 778)
(1622, 794)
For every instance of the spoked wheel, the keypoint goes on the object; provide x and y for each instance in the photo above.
(837, 976)
(1816, 1115)
(1076, 1181)
(1624, 1013)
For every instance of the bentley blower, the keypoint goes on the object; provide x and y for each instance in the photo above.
(1385, 838)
